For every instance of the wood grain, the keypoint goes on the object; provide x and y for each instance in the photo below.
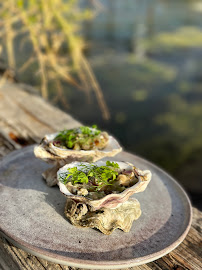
(24, 119)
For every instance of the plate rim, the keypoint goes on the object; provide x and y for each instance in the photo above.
(89, 264)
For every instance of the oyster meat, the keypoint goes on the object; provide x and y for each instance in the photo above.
(112, 195)
(95, 146)
(105, 219)
(113, 183)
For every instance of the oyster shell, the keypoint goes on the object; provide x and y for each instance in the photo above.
(110, 200)
(60, 156)
(105, 219)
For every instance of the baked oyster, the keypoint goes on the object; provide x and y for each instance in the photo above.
(98, 194)
(102, 184)
(79, 144)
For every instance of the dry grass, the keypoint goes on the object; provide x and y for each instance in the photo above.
(52, 28)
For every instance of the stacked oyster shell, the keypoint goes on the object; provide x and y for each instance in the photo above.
(110, 212)
(57, 156)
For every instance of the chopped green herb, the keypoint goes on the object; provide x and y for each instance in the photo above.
(112, 164)
(82, 136)
(100, 175)
(77, 176)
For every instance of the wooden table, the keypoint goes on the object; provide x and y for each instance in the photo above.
(24, 119)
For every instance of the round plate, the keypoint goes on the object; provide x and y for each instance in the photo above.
(32, 217)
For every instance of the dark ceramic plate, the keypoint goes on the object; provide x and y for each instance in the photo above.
(31, 217)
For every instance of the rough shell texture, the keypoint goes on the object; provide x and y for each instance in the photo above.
(106, 220)
(59, 156)
(111, 200)
(50, 175)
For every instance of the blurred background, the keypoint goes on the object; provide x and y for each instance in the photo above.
(132, 67)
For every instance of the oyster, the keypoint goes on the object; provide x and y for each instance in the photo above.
(105, 219)
(59, 156)
(140, 178)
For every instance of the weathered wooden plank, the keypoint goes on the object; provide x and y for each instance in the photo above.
(29, 116)
(24, 119)
(6, 146)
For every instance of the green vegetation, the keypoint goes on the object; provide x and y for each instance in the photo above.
(180, 39)
(182, 124)
(139, 95)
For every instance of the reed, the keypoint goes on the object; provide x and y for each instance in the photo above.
(53, 28)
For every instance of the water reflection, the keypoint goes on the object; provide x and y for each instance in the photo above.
(147, 56)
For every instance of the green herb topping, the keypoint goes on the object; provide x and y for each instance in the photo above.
(83, 137)
(97, 176)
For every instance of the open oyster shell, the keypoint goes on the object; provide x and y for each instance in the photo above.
(59, 156)
(52, 154)
(105, 219)
(111, 200)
